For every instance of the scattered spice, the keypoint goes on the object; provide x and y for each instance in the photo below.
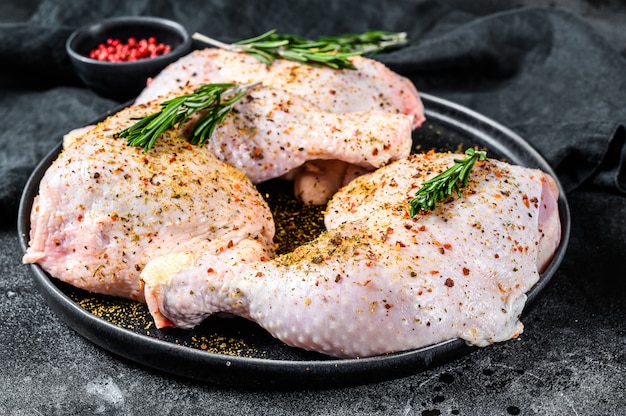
(134, 316)
(296, 222)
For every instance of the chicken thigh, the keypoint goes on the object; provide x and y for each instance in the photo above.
(378, 280)
(105, 209)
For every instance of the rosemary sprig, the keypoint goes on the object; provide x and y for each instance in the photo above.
(439, 187)
(331, 51)
(218, 99)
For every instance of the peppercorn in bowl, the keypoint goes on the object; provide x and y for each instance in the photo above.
(116, 57)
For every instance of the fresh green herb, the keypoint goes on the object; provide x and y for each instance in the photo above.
(217, 99)
(331, 51)
(439, 187)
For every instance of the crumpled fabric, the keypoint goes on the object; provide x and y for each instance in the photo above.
(543, 73)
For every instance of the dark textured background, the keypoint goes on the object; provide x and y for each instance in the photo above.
(555, 74)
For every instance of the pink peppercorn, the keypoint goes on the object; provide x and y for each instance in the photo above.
(114, 50)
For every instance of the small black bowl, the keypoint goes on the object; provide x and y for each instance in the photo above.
(124, 80)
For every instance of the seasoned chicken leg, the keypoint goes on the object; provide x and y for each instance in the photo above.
(105, 209)
(379, 281)
(371, 87)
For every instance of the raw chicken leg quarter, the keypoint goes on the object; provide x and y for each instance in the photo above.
(379, 281)
(319, 170)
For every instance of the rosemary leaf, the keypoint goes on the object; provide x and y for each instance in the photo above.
(442, 185)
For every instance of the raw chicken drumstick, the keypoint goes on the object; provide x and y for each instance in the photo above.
(380, 281)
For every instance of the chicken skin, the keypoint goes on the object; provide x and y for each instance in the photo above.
(378, 280)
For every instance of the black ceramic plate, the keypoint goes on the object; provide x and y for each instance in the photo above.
(233, 351)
